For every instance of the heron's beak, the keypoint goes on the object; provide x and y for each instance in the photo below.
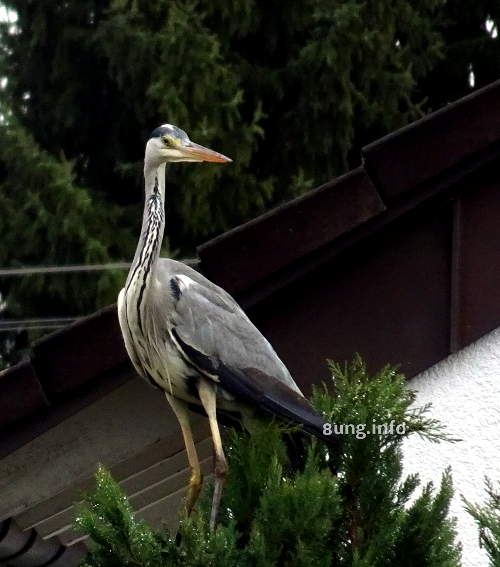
(200, 153)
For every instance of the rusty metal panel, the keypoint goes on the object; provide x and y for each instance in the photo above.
(387, 299)
(412, 155)
(241, 257)
(479, 262)
(79, 353)
(21, 394)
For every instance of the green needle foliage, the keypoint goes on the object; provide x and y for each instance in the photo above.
(348, 506)
(487, 518)
(48, 218)
(286, 93)
(64, 221)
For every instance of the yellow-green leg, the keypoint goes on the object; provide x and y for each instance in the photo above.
(196, 479)
(208, 400)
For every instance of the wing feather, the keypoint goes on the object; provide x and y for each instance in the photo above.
(257, 389)
(215, 336)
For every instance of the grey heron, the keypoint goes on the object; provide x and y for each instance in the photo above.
(187, 336)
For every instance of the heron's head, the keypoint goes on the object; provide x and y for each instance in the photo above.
(169, 143)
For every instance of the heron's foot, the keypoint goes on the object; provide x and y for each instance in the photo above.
(220, 473)
(193, 491)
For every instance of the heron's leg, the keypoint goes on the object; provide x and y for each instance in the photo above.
(196, 480)
(208, 399)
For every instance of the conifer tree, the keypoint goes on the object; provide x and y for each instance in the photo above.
(275, 515)
(471, 51)
(285, 92)
(62, 223)
(487, 518)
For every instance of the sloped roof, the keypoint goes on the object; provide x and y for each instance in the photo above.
(401, 252)
(26, 548)
(398, 172)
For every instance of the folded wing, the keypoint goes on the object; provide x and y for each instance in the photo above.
(216, 337)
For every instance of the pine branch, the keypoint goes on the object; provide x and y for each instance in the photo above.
(487, 517)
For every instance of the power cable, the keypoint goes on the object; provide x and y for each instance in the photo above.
(32, 270)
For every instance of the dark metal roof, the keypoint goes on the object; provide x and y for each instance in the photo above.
(70, 364)
(241, 257)
(403, 160)
(398, 259)
(19, 548)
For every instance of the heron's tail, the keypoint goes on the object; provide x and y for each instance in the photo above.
(274, 397)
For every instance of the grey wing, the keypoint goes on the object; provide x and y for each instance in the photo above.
(207, 317)
(214, 335)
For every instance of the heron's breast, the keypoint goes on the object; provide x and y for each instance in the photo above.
(164, 365)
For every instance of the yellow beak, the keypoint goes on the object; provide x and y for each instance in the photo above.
(200, 153)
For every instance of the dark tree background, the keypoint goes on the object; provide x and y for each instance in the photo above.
(290, 94)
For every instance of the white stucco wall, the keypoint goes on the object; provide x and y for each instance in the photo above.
(464, 390)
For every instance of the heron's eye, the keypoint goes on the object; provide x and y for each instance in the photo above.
(168, 141)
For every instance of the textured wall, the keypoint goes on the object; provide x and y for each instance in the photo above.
(465, 392)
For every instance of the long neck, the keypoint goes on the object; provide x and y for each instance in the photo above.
(143, 267)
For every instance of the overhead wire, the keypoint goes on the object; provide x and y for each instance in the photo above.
(32, 270)
(9, 325)
(50, 323)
